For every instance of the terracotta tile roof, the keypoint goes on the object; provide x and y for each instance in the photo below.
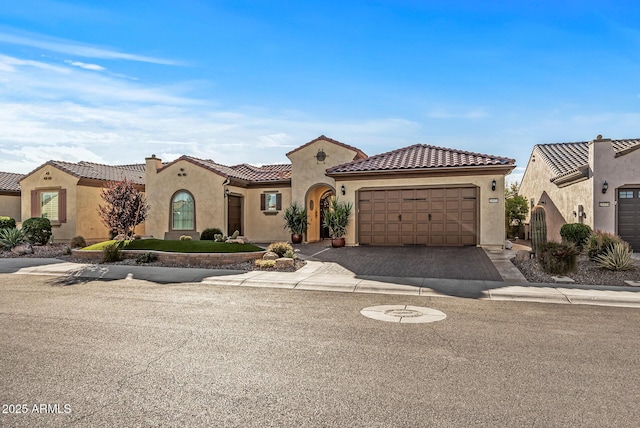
(359, 153)
(134, 173)
(10, 182)
(245, 172)
(569, 158)
(420, 157)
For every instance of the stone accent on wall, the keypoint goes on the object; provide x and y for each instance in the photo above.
(204, 259)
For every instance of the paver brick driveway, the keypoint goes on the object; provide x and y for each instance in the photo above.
(410, 261)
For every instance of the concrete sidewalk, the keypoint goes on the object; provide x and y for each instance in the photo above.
(319, 276)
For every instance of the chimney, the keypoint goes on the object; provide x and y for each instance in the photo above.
(153, 164)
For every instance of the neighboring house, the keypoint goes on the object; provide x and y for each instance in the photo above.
(596, 183)
(418, 195)
(10, 195)
(68, 194)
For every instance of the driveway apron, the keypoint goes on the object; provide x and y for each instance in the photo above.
(409, 261)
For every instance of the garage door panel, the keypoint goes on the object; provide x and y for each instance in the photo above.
(428, 216)
(422, 216)
(437, 206)
(629, 216)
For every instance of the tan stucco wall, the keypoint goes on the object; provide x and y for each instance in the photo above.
(10, 207)
(260, 227)
(62, 232)
(604, 166)
(536, 184)
(617, 172)
(204, 185)
(88, 222)
(308, 172)
(491, 215)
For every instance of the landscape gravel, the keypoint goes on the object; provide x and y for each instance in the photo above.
(57, 251)
(586, 273)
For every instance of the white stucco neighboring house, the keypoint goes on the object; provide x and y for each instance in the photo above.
(592, 182)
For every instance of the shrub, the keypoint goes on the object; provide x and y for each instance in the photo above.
(265, 263)
(616, 257)
(67, 250)
(576, 233)
(280, 248)
(598, 243)
(37, 230)
(235, 234)
(111, 253)
(77, 242)
(557, 258)
(10, 238)
(146, 258)
(290, 254)
(210, 234)
(185, 238)
(220, 237)
(7, 223)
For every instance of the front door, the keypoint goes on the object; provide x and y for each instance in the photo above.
(234, 214)
(325, 203)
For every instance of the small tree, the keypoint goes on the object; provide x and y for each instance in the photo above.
(125, 207)
(516, 208)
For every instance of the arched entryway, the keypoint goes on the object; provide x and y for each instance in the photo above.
(318, 198)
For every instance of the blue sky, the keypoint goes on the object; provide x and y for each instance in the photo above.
(247, 81)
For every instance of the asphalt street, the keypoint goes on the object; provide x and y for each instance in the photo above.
(136, 353)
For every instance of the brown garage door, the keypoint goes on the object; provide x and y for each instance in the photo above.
(629, 216)
(444, 216)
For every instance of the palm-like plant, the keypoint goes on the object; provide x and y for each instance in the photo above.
(295, 219)
(336, 218)
(10, 238)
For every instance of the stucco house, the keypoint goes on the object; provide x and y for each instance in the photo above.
(68, 194)
(596, 183)
(417, 195)
(10, 195)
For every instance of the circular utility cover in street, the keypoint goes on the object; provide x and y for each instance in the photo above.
(403, 314)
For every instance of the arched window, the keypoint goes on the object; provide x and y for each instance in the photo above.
(182, 211)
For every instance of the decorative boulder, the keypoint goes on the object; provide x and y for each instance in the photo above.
(284, 262)
(508, 245)
(523, 255)
(270, 255)
(23, 249)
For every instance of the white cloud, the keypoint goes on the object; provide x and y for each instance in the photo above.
(276, 140)
(93, 67)
(78, 49)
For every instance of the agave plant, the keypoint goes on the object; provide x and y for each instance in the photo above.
(10, 238)
(616, 257)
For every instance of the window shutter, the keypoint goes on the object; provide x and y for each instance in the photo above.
(278, 201)
(263, 203)
(62, 205)
(35, 204)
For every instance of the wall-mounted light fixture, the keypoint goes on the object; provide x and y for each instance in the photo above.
(493, 185)
(605, 187)
(343, 190)
(226, 192)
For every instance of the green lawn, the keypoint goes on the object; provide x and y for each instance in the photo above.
(179, 246)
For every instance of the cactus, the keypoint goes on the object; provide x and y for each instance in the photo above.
(538, 229)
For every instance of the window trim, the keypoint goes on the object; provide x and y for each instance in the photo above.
(171, 223)
(278, 202)
(36, 207)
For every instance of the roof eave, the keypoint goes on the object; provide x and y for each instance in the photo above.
(504, 169)
(576, 176)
